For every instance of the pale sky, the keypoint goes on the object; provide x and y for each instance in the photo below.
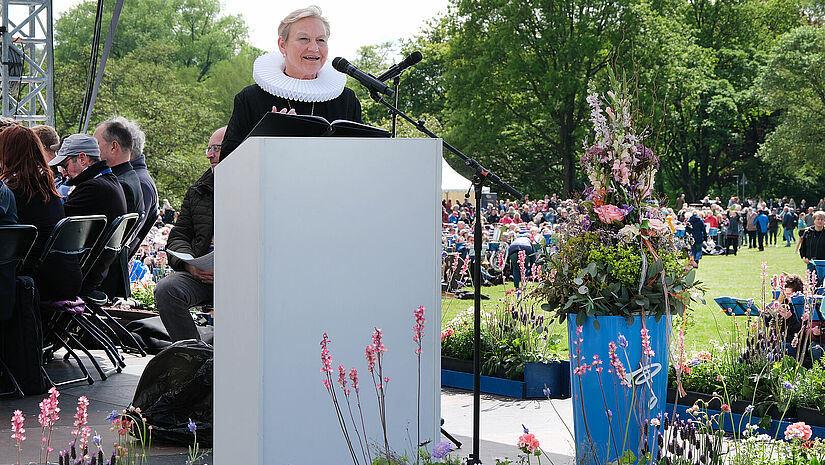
(353, 23)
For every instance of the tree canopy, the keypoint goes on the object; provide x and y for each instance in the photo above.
(724, 87)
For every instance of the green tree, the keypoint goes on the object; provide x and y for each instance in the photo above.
(793, 85)
(178, 117)
(517, 81)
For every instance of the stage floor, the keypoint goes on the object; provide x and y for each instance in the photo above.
(501, 418)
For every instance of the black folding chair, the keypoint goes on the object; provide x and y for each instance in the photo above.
(109, 245)
(16, 242)
(115, 241)
(72, 236)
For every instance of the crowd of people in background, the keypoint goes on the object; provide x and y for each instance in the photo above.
(716, 227)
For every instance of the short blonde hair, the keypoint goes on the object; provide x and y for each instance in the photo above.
(311, 11)
(819, 214)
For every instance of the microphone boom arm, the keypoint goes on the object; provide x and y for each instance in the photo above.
(480, 171)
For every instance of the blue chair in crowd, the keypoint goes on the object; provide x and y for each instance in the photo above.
(733, 306)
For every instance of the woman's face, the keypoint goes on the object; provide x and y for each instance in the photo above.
(819, 222)
(788, 291)
(305, 49)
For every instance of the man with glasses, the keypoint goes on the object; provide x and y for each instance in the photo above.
(192, 234)
(95, 191)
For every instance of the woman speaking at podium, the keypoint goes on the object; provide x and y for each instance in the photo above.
(295, 79)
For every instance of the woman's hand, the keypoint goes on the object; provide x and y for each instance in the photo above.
(283, 110)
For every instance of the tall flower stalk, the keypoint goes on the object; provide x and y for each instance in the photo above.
(418, 334)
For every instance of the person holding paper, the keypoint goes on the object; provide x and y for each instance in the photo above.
(192, 236)
(295, 79)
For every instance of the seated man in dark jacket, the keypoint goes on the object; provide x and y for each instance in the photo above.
(192, 234)
(95, 191)
(115, 141)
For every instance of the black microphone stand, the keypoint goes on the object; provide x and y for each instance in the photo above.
(480, 177)
(396, 84)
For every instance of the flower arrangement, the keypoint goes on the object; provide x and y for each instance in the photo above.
(617, 255)
(514, 333)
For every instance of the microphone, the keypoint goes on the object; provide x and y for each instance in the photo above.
(344, 66)
(398, 68)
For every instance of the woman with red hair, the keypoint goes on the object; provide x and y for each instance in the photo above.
(24, 170)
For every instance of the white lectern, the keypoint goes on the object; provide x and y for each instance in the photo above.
(314, 235)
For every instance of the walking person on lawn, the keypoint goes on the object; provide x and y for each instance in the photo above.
(812, 244)
(761, 223)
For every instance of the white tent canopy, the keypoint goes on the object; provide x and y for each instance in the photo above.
(451, 181)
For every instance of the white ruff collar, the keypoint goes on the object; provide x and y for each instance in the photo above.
(268, 73)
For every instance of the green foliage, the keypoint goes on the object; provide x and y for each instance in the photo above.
(144, 295)
(173, 68)
(792, 84)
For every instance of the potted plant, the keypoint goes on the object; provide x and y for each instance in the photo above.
(618, 276)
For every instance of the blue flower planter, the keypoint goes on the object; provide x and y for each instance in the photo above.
(555, 376)
(601, 405)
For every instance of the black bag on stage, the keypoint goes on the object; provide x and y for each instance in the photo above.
(21, 341)
(176, 386)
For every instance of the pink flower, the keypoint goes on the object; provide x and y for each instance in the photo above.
(657, 227)
(528, 442)
(446, 333)
(376, 341)
(726, 408)
(81, 416)
(370, 354)
(49, 409)
(522, 257)
(617, 364)
(798, 430)
(609, 213)
(353, 376)
(418, 328)
(342, 377)
(17, 420)
(646, 349)
(326, 358)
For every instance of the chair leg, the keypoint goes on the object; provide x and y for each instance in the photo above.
(66, 334)
(99, 334)
(102, 339)
(106, 331)
(16, 391)
(53, 341)
(136, 345)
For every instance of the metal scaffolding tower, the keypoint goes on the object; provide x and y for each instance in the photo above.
(27, 61)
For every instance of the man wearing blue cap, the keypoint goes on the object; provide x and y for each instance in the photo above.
(95, 191)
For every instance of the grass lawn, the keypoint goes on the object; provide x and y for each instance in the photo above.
(734, 276)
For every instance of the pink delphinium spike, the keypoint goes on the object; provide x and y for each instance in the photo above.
(326, 358)
(646, 349)
(618, 366)
(597, 364)
(369, 352)
(522, 258)
(18, 431)
(49, 411)
(418, 328)
(377, 335)
(353, 376)
(464, 269)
